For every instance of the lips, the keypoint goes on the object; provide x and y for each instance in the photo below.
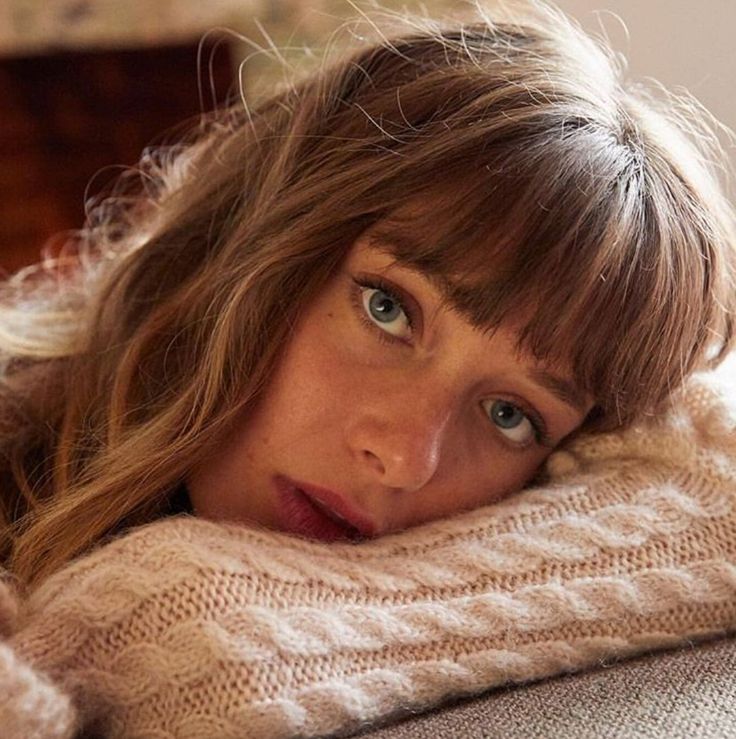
(318, 513)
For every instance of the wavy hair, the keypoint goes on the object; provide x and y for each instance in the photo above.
(504, 155)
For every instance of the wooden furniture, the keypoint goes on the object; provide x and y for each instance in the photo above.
(85, 86)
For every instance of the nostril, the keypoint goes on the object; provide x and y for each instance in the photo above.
(374, 461)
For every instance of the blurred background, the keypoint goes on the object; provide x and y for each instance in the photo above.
(86, 85)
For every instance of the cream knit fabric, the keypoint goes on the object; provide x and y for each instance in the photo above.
(186, 628)
(30, 707)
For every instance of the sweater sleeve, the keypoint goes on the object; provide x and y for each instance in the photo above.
(31, 707)
(187, 628)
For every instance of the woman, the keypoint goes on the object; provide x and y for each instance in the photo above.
(380, 297)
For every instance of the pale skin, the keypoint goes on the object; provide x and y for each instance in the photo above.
(410, 423)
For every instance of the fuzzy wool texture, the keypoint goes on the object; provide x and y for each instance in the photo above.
(191, 629)
(30, 706)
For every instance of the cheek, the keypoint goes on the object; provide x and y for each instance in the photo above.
(521, 474)
(313, 382)
(525, 471)
(507, 474)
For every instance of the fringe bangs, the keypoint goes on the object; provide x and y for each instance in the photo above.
(596, 261)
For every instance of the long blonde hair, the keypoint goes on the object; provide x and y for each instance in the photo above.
(504, 156)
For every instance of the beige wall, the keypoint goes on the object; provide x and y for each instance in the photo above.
(686, 43)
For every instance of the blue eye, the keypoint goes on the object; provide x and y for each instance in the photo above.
(383, 307)
(385, 310)
(512, 422)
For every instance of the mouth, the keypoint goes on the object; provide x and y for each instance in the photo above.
(320, 514)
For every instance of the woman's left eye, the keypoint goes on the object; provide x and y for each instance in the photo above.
(514, 423)
(383, 309)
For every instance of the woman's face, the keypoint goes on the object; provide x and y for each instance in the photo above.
(386, 410)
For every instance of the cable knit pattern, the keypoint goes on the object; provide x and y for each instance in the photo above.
(191, 629)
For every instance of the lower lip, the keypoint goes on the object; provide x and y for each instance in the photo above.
(298, 515)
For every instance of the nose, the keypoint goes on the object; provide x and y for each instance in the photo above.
(401, 447)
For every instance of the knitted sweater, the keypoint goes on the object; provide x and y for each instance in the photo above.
(188, 628)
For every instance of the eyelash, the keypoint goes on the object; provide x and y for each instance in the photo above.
(541, 435)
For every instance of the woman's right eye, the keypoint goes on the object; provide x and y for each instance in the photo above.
(382, 309)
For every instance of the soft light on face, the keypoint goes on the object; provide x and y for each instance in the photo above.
(386, 410)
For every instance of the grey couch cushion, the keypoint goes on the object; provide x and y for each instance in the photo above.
(687, 693)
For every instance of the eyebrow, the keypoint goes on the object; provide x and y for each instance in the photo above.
(563, 390)
(387, 239)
